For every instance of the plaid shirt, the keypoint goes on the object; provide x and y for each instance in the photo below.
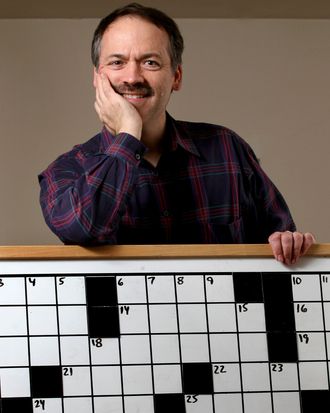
(208, 187)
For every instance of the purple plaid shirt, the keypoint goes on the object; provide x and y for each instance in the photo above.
(208, 187)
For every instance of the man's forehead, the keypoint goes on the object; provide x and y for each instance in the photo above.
(126, 23)
(128, 30)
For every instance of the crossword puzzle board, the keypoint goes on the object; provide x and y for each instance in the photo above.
(213, 335)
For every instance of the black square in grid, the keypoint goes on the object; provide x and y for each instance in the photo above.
(46, 381)
(315, 401)
(101, 290)
(279, 316)
(277, 287)
(282, 347)
(166, 403)
(247, 287)
(103, 322)
(197, 378)
(16, 405)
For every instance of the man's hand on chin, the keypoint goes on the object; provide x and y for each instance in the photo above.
(115, 112)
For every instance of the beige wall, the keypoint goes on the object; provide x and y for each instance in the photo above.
(266, 79)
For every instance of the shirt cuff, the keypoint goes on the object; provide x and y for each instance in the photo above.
(126, 147)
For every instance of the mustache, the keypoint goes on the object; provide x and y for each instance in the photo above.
(138, 88)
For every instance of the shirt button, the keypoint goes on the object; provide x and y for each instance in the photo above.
(137, 156)
(166, 213)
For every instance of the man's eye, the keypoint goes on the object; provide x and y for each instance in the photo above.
(116, 63)
(151, 63)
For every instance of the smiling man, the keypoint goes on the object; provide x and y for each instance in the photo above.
(147, 178)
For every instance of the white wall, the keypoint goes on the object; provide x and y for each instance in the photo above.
(266, 79)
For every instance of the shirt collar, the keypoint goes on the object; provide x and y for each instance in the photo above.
(177, 133)
(179, 136)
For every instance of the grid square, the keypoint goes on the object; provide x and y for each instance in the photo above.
(221, 317)
(248, 287)
(13, 321)
(48, 405)
(199, 403)
(40, 290)
(71, 290)
(255, 377)
(76, 404)
(325, 287)
(44, 351)
(165, 403)
(108, 404)
(76, 381)
(314, 349)
(219, 288)
(74, 350)
(72, 320)
(137, 380)
(101, 290)
(133, 319)
(106, 380)
(226, 378)
(13, 351)
(192, 318)
(197, 378)
(309, 316)
(253, 347)
(135, 349)
(15, 382)
(103, 321)
(165, 348)
(12, 291)
(286, 402)
(42, 320)
(228, 403)
(46, 381)
(313, 376)
(190, 288)
(13, 405)
(257, 402)
(326, 307)
(131, 290)
(224, 347)
(194, 348)
(306, 287)
(284, 376)
(163, 318)
(312, 398)
(105, 351)
(251, 318)
(135, 404)
(161, 289)
(167, 378)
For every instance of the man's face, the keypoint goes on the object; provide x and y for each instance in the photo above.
(135, 57)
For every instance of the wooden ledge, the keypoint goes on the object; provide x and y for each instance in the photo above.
(61, 252)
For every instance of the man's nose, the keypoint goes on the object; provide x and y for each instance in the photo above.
(133, 73)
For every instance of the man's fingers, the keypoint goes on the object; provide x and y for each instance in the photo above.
(309, 240)
(287, 242)
(288, 246)
(298, 240)
(276, 245)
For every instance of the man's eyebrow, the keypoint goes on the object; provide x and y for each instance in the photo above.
(143, 56)
(151, 54)
(117, 55)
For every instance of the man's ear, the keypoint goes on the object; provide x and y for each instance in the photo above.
(94, 76)
(177, 78)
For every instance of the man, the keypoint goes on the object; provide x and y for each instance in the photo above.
(147, 178)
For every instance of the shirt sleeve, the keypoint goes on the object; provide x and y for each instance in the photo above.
(84, 194)
(269, 211)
